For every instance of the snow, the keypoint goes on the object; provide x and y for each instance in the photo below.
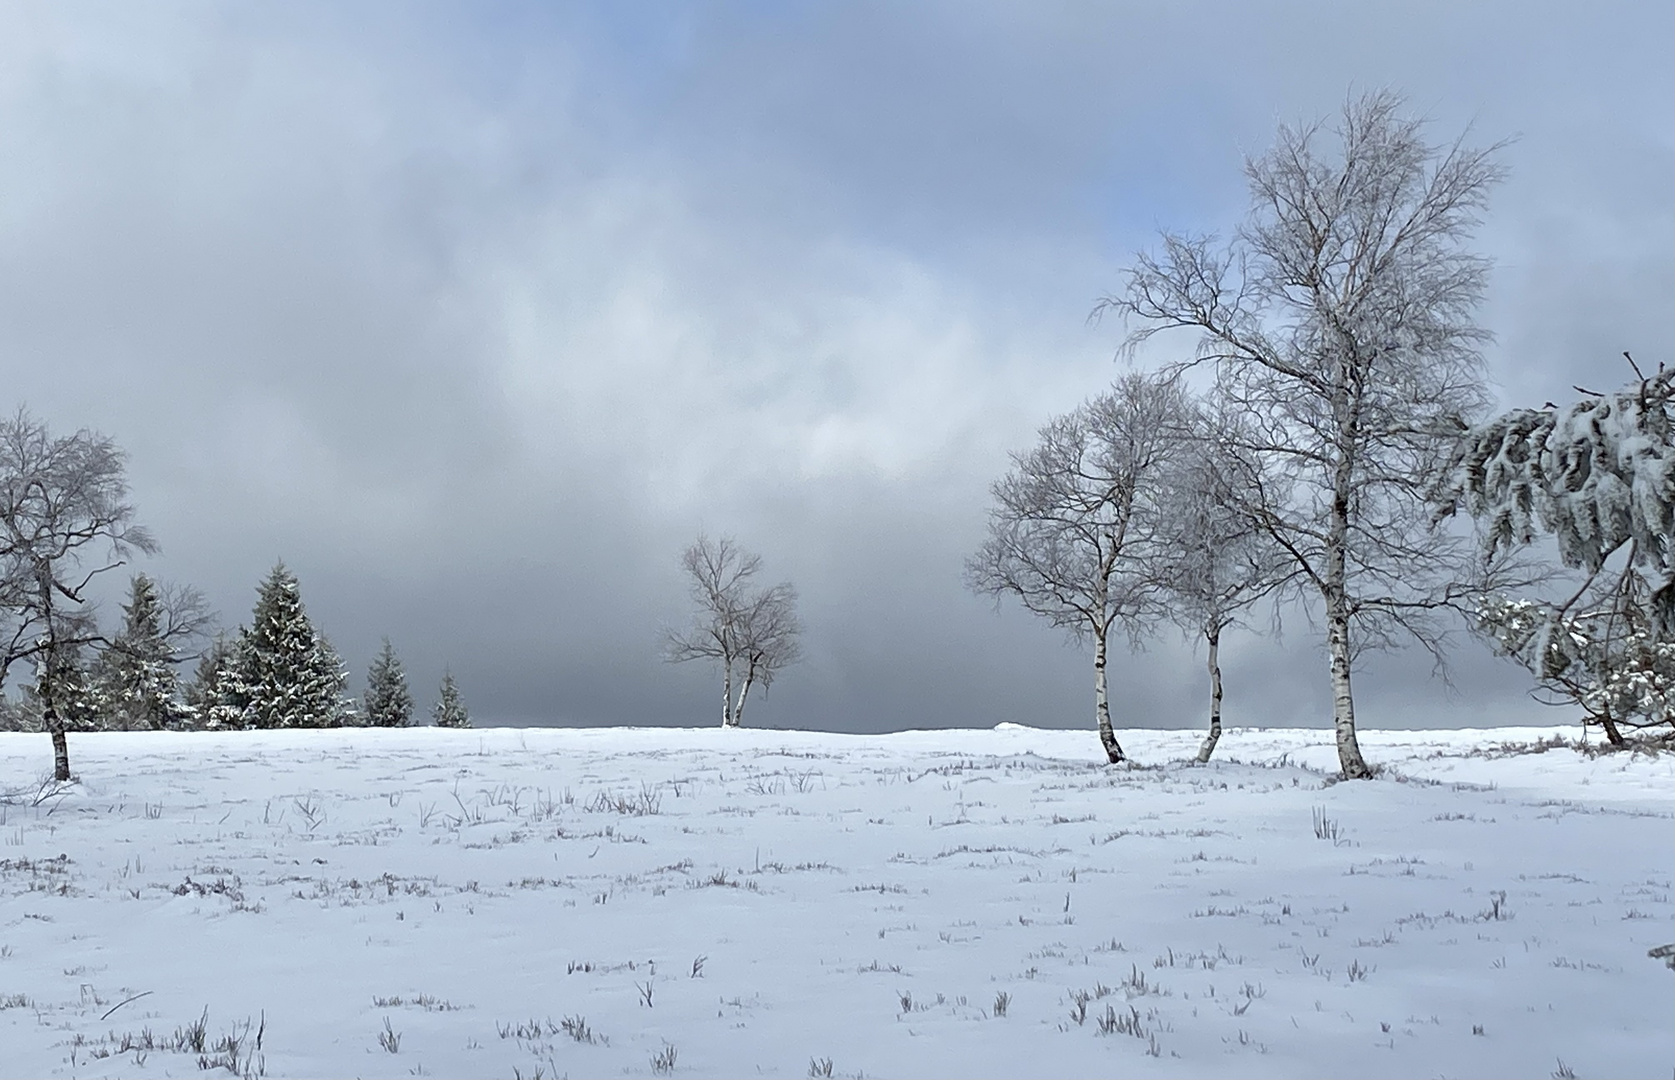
(768, 903)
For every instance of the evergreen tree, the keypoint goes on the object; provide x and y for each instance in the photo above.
(78, 702)
(136, 673)
(1600, 476)
(62, 678)
(15, 716)
(450, 710)
(388, 704)
(215, 697)
(345, 711)
(287, 673)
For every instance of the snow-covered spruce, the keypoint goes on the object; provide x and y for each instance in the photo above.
(136, 673)
(1607, 659)
(212, 695)
(62, 678)
(282, 673)
(449, 711)
(1597, 475)
(388, 702)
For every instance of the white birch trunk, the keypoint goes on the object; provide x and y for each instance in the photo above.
(60, 747)
(1337, 612)
(1337, 651)
(1210, 740)
(49, 705)
(744, 692)
(727, 694)
(1102, 702)
(1343, 700)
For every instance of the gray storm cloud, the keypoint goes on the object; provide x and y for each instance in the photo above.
(476, 316)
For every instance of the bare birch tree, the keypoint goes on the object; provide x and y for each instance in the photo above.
(752, 633)
(1072, 528)
(1213, 561)
(769, 641)
(1339, 320)
(64, 519)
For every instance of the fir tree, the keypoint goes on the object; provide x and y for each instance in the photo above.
(287, 673)
(388, 704)
(215, 698)
(63, 679)
(136, 673)
(15, 716)
(450, 710)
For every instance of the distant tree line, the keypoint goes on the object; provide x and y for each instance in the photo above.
(65, 520)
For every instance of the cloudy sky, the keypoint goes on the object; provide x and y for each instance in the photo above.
(476, 314)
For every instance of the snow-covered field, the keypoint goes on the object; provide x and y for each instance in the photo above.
(757, 903)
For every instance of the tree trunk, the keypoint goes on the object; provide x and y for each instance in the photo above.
(1335, 588)
(1102, 704)
(49, 707)
(1343, 699)
(60, 746)
(727, 694)
(744, 692)
(1612, 735)
(1210, 740)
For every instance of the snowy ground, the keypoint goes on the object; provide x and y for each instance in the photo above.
(962, 903)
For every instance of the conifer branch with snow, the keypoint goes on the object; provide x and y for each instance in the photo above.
(1599, 476)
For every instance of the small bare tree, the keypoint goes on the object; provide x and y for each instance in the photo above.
(769, 641)
(752, 633)
(64, 519)
(1339, 323)
(1213, 561)
(1072, 530)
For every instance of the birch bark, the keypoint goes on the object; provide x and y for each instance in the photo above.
(1102, 703)
(1213, 635)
